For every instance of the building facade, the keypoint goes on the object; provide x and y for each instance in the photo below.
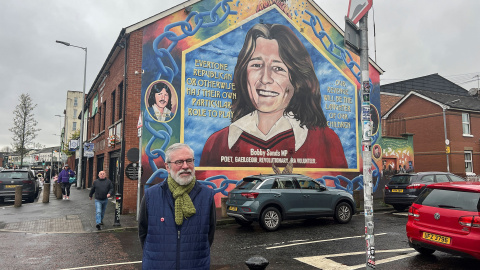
(445, 126)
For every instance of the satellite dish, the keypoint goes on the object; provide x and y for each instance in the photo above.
(473, 91)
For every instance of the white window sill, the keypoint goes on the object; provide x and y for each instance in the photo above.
(468, 135)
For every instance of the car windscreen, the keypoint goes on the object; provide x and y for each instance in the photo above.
(248, 183)
(450, 199)
(400, 180)
(13, 175)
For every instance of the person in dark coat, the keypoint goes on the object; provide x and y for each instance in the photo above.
(103, 189)
(177, 217)
(64, 180)
(46, 176)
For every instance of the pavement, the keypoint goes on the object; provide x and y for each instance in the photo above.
(77, 215)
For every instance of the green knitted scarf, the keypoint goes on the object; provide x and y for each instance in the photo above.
(184, 207)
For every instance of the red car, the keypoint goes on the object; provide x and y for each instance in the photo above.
(446, 217)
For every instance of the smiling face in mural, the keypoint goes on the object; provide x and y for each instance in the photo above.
(268, 78)
(161, 99)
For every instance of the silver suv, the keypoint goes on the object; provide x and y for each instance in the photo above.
(269, 199)
(9, 179)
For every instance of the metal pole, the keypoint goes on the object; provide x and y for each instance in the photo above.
(139, 170)
(80, 150)
(366, 144)
(446, 138)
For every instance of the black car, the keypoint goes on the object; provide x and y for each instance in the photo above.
(402, 190)
(9, 179)
(271, 198)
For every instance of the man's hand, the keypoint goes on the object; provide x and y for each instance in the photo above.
(90, 198)
(108, 195)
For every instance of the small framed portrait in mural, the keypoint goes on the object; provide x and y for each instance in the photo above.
(161, 101)
(377, 151)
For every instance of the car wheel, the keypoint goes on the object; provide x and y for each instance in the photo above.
(243, 222)
(424, 251)
(399, 207)
(270, 219)
(343, 213)
(31, 199)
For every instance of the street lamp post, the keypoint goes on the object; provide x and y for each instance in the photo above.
(80, 141)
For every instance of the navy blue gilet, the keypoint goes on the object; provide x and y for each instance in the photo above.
(168, 246)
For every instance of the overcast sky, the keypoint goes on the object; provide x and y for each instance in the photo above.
(413, 38)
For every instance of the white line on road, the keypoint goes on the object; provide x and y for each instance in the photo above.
(322, 262)
(325, 240)
(101, 265)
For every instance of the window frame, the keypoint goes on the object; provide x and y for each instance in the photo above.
(470, 161)
(466, 124)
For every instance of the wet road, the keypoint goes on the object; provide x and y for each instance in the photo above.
(314, 244)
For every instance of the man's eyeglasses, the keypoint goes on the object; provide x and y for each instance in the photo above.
(181, 161)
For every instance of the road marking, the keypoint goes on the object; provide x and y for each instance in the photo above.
(322, 262)
(319, 241)
(102, 265)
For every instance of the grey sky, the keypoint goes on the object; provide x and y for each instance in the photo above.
(413, 38)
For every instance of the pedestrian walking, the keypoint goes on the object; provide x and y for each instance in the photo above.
(103, 189)
(47, 175)
(177, 217)
(64, 180)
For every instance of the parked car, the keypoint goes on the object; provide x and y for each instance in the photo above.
(403, 189)
(269, 199)
(446, 217)
(9, 179)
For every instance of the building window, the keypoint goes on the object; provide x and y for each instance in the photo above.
(466, 123)
(113, 107)
(74, 127)
(75, 102)
(104, 116)
(468, 162)
(120, 104)
(75, 115)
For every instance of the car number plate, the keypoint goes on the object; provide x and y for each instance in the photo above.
(436, 238)
(397, 190)
(10, 186)
(232, 208)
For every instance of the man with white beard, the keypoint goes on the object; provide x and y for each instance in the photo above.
(177, 217)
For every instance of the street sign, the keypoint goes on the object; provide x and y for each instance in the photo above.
(72, 145)
(139, 123)
(88, 150)
(358, 8)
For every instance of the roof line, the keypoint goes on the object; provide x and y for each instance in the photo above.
(387, 114)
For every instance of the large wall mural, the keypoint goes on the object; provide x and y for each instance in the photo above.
(248, 84)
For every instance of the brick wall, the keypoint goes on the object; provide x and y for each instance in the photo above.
(425, 119)
(114, 82)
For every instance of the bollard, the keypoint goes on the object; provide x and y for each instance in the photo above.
(58, 191)
(46, 192)
(18, 196)
(257, 263)
(118, 201)
(224, 206)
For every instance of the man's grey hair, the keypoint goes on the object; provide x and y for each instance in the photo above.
(174, 147)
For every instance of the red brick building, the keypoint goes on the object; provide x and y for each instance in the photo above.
(446, 127)
(111, 115)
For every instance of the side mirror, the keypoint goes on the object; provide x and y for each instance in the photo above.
(323, 188)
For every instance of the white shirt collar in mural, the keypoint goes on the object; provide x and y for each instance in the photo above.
(249, 124)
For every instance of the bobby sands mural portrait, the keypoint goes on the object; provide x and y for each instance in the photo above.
(277, 113)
